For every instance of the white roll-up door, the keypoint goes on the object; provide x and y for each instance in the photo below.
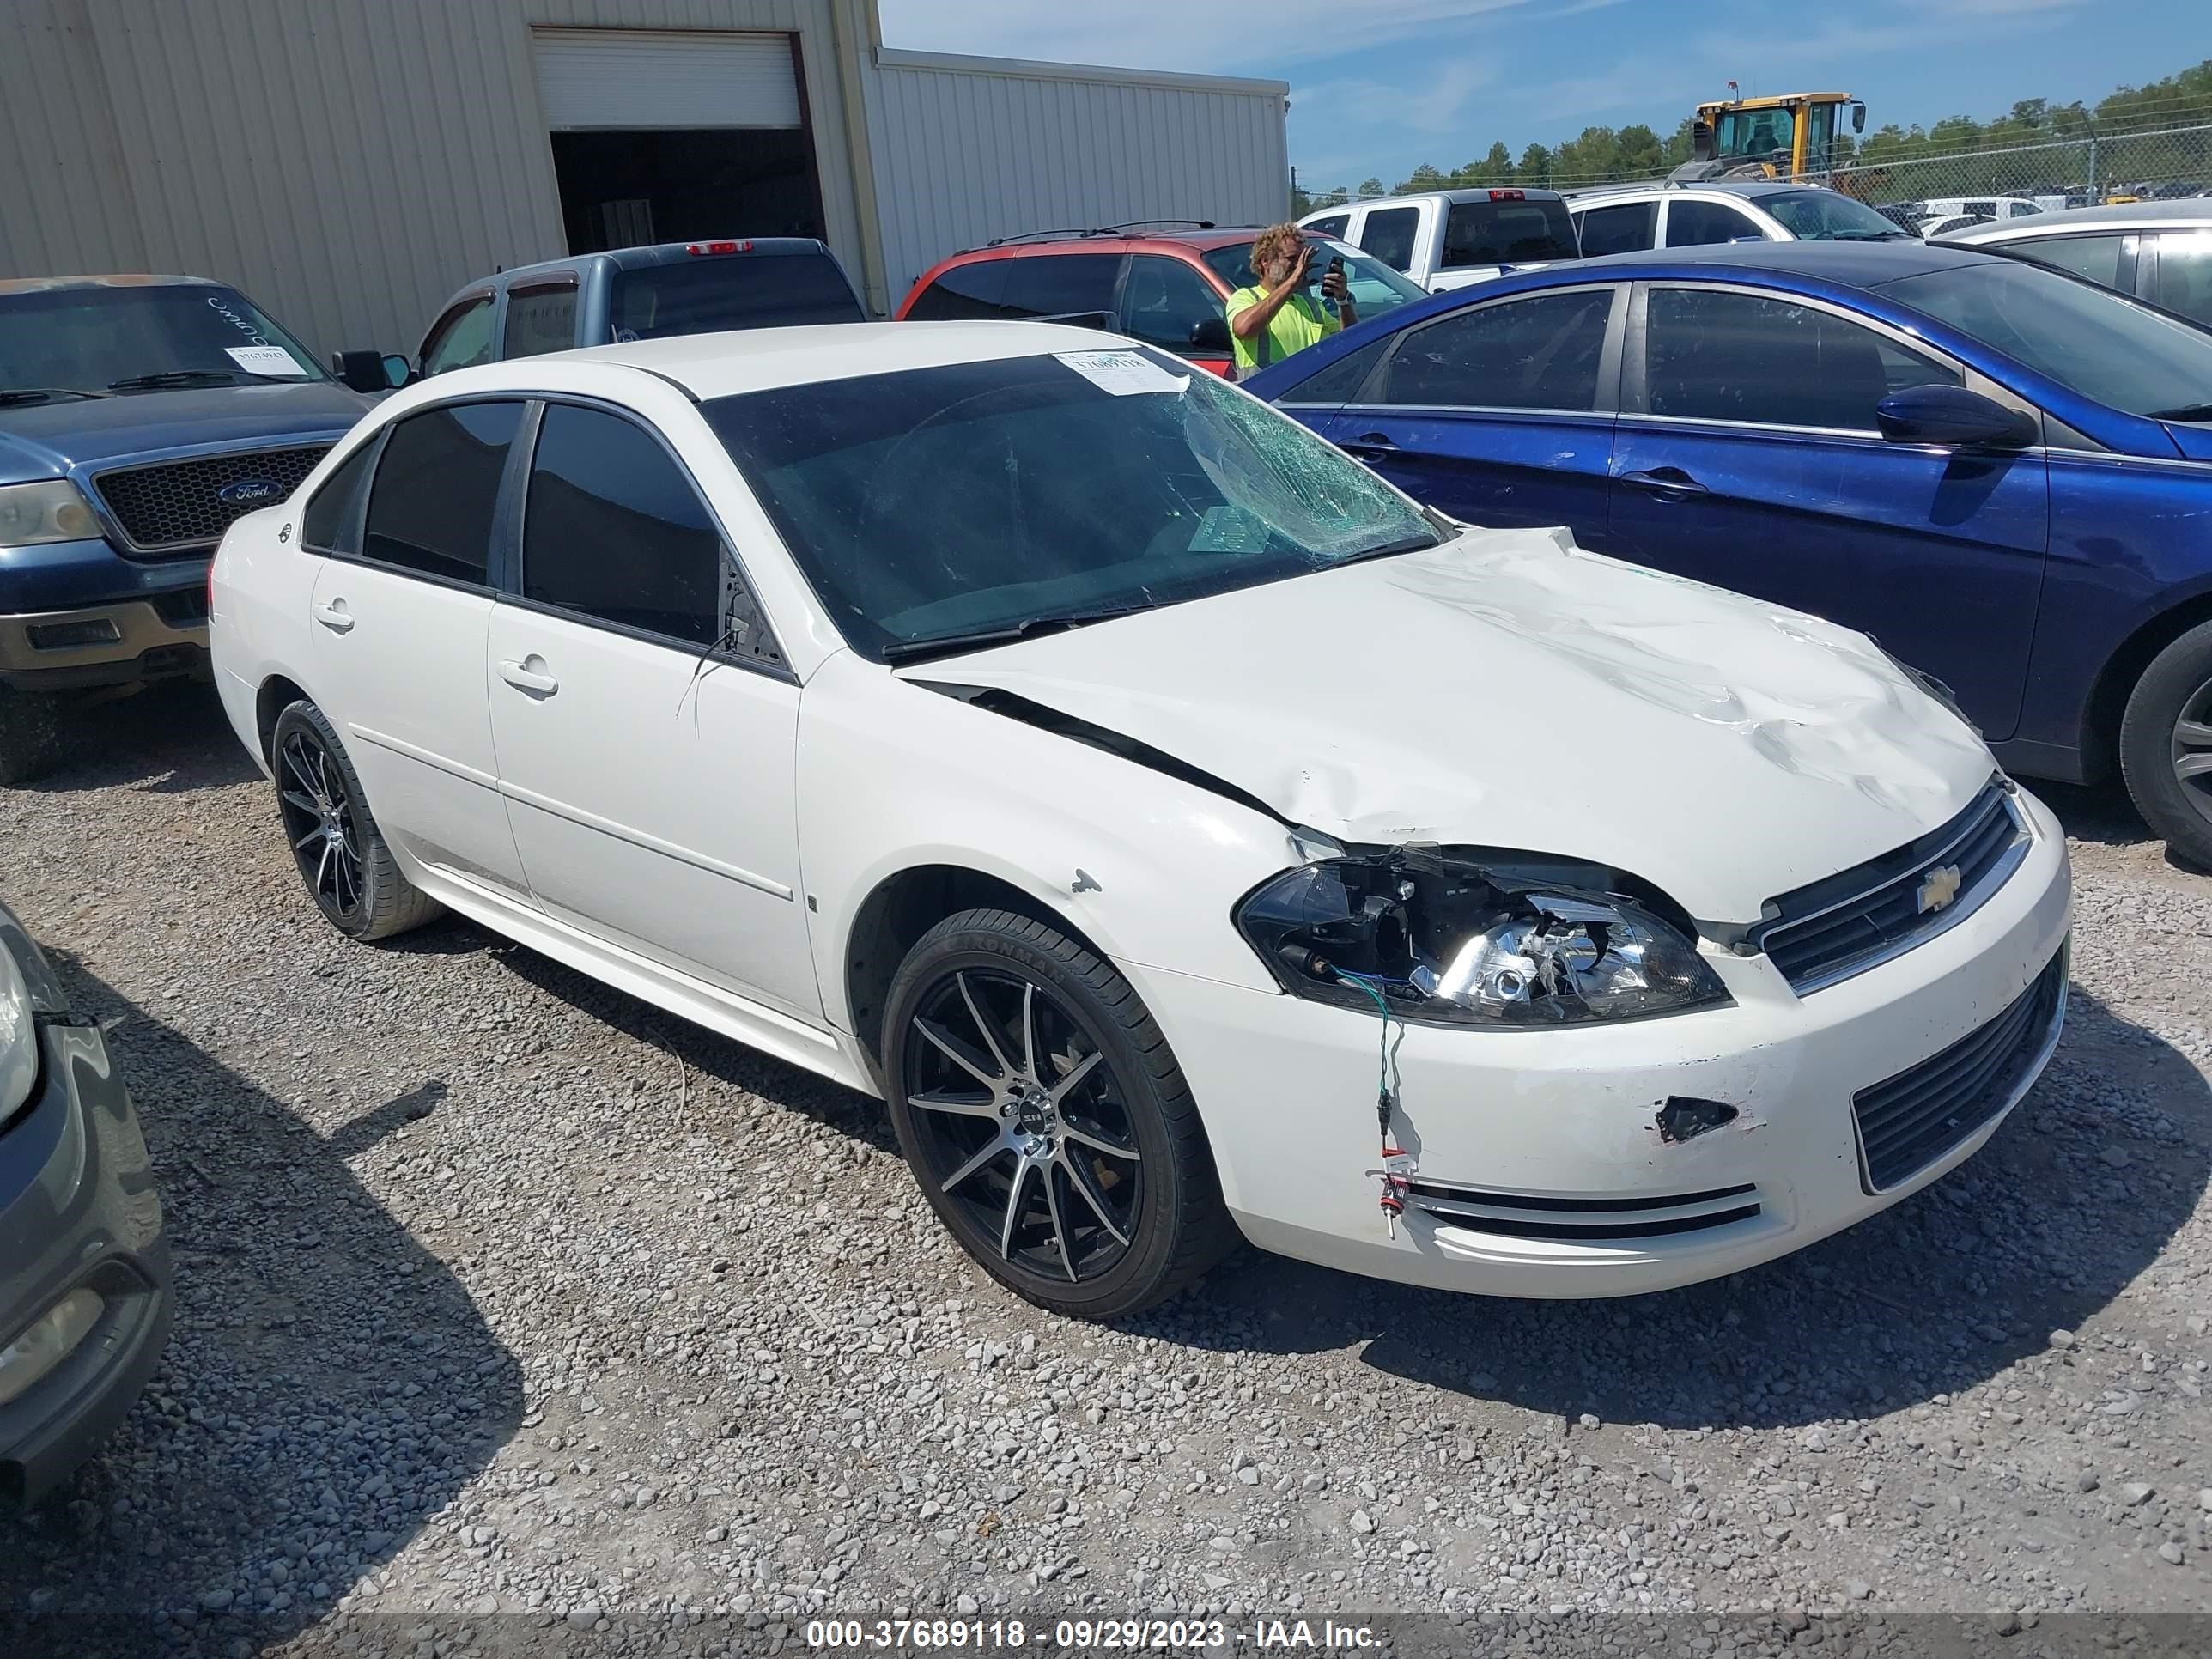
(601, 78)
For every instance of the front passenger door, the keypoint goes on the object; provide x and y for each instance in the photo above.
(647, 727)
(1748, 456)
(1166, 303)
(459, 339)
(1501, 415)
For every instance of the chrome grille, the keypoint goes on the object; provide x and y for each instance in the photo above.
(174, 506)
(1907, 1122)
(1826, 932)
(1531, 1215)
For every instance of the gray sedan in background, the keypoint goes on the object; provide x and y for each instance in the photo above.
(84, 1265)
(2160, 252)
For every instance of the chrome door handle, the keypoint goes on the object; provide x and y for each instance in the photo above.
(1667, 482)
(529, 675)
(1375, 445)
(335, 616)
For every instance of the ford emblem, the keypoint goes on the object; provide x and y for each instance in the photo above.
(249, 492)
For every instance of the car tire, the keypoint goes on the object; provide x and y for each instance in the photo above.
(1089, 1076)
(2168, 726)
(342, 856)
(30, 735)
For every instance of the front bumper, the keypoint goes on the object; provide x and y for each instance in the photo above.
(78, 1208)
(111, 644)
(1543, 1149)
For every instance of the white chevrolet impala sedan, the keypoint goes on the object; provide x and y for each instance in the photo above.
(1185, 834)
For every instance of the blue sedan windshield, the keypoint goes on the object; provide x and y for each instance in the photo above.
(2089, 339)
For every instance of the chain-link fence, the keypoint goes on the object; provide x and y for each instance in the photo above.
(2072, 173)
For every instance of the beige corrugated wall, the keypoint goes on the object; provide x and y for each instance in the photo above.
(348, 164)
(967, 149)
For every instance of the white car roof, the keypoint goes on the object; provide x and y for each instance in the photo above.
(756, 359)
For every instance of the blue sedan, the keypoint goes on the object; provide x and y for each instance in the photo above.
(2002, 472)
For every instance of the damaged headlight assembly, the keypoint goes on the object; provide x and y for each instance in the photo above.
(1445, 937)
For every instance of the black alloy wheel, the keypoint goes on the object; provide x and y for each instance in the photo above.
(343, 861)
(320, 821)
(1046, 1119)
(1019, 1121)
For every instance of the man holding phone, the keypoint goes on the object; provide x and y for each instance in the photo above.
(1277, 316)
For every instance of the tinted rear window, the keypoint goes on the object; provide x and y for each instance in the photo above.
(964, 294)
(1060, 284)
(733, 291)
(1509, 233)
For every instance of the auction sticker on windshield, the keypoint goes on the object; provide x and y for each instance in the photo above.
(1122, 373)
(266, 360)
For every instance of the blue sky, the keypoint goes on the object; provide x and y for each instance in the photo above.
(1379, 86)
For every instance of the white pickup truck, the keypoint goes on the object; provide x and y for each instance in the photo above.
(1450, 238)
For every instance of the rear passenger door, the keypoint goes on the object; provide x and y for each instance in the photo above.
(461, 338)
(539, 319)
(964, 294)
(1748, 456)
(1619, 228)
(1499, 414)
(1077, 287)
(401, 608)
(1695, 222)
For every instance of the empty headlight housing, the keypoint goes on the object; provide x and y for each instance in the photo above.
(1450, 936)
(53, 511)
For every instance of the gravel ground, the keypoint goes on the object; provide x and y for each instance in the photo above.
(501, 1291)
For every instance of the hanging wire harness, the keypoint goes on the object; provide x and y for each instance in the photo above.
(1433, 936)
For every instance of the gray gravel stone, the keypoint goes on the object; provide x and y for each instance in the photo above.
(499, 1289)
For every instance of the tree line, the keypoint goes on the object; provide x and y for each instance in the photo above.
(1606, 154)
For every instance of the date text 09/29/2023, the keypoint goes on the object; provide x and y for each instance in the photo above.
(1079, 1635)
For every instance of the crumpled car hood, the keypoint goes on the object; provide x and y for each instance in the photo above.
(1509, 689)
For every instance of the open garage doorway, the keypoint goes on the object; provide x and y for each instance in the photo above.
(670, 137)
(624, 189)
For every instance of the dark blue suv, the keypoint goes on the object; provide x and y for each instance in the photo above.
(139, 415)
(2002, 472)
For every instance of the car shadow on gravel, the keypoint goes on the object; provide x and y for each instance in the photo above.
(2102, 814)
(329, 1384)
(706, 1052)
(171, 738)
(2073, 1197)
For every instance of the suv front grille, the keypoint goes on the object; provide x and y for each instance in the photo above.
(1834, 928)
(176, 507)
(1908, 1122)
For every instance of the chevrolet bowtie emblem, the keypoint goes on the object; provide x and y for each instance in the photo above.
(1938, 888)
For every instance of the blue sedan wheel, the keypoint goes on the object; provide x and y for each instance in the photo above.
(2165, 744)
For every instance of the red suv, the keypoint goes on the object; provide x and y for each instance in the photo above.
(1166, 288)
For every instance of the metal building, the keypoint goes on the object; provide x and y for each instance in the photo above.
(351, 162)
